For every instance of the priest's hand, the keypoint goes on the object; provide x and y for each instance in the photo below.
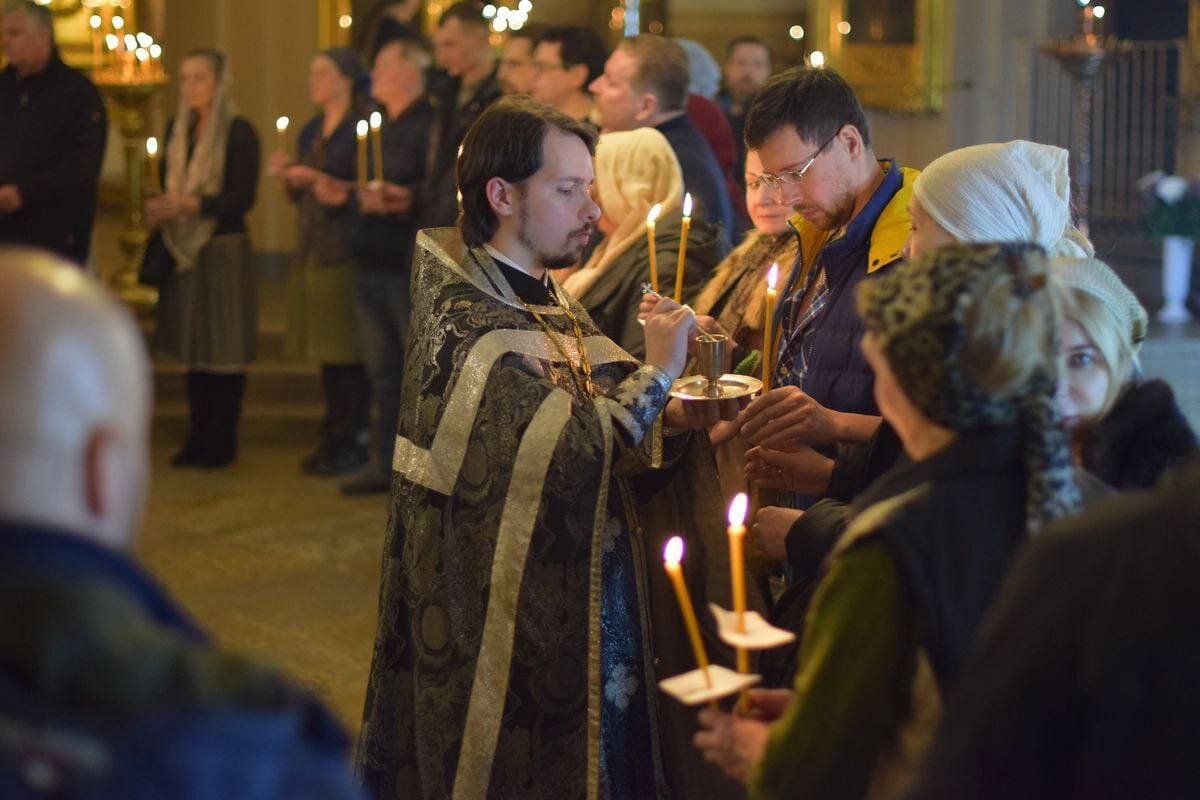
(669, 331)
(786, 415)
(700, 414)
(771, 527)
(735, 744)
(799, 468)
(10, 199)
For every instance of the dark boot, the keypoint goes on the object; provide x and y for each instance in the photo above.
(227, 394)
(198, 414)
(317, 462)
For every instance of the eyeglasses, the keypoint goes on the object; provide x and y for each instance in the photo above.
(793, 177)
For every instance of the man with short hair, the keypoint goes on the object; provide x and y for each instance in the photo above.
(747, 68)
(381, 239)
(513, 539)
(461, 48)
(645, 84)
(52, 133)
(515, 71)
(566, 60)
(852, 223)
(107, 687)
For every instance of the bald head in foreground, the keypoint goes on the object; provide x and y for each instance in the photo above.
(107, 688)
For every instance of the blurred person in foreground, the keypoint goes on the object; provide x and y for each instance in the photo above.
(108, 689)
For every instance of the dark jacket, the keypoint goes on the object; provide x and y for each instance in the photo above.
(239, 185)
(52, 134)
(702, 174)
(837, 374)
(613, 300)
(109, 690)
(439, 200)
(1082, 684)
(1143, 435)
(384, 242)
(322, 234)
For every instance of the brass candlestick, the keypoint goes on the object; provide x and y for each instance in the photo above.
(131, 101)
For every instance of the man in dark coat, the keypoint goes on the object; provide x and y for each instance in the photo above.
(644, 84)
(460, 47)
(107, 687)
(52, 134)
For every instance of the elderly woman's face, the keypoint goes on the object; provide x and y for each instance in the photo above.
(892, 401)
(925, 234)
(1083, 376)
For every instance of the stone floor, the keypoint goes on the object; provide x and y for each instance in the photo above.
(275, 564)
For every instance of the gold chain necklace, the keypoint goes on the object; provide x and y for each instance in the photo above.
(583, 381)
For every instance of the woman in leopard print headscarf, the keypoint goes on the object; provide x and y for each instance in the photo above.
(963, 344)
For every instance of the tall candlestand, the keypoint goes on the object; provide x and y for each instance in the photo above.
(131, 101)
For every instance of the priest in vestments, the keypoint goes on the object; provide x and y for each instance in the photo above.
(524, 615)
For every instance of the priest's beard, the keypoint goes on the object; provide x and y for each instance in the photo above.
(566, 255)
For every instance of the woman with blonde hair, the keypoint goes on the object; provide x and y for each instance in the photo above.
(1126, 431)
(636, 170)
(963, 342)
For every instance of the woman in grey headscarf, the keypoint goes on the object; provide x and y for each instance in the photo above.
(207, 309)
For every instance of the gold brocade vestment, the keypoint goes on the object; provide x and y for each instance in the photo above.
(510, 484)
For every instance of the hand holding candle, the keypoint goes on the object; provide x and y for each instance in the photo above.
(377, 149)
(672, 555)
(683, 239)
(768, 324)
(361, 133)
(651, 222)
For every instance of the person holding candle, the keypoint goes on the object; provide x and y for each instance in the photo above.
(519, 617)
(53, 129)
(634, 171)
(963, 343)
(207, 313)
(382, 231)
(321, 323)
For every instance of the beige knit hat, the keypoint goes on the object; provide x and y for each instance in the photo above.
(1092, 276)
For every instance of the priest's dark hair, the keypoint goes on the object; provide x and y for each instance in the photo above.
(506, 142)
(817, 103)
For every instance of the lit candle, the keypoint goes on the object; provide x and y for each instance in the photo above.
(156, 59)
(737, 571)
(768, 320)
(95, 22)
(687, 226)
(672, 555)
(152, 157)
(281, 126)
(651, 222)
(129, 44)
(361, 132)
(377, 148)
(1089, 21)
(111, 43)
(143, 60)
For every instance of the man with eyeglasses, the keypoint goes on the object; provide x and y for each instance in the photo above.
(515, 70)
(566, 60)
(852, 222)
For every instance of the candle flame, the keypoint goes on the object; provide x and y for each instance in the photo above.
(156, 51)
(282, 123)
(361, 129)
(673, 552)
(655, 210)
(111, 41)
(144, 39)
(773, 276)
(737, 510)
(118, 22)
(152, 146)
(376, 120)
(687, 204)
(95, 22)
(130, 42)
(142, 54)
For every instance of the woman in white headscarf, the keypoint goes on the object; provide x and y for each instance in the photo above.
(207, 308)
